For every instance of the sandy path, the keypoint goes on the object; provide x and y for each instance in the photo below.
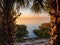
(35, 42)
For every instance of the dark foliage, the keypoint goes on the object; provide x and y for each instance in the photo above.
(21, 31)
(43, 31)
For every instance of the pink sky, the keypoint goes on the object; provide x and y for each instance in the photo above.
(32, 18)
(28, 17)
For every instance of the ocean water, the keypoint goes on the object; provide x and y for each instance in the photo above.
(30, 28)
(33, 24)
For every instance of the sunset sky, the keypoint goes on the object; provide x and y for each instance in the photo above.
(28, 17)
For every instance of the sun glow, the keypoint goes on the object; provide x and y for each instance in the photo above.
(30, 18)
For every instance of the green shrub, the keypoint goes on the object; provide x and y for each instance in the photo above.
(43, 31)
(21, 32)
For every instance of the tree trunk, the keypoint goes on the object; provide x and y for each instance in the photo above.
(55, 29)
(7, 29)
(7, 25)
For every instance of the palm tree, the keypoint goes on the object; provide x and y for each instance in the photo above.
(7, 22)
(55, 21)
(8, 16)
(54, 10)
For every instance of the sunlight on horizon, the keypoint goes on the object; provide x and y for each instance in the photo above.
(33, 19)
(28, 17)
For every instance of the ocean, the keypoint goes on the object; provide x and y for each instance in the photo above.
(32, 24)
(30, 28)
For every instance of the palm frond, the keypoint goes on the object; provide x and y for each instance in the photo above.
(37, 5)
(1, 5)
(22, 3)
(51, 4)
